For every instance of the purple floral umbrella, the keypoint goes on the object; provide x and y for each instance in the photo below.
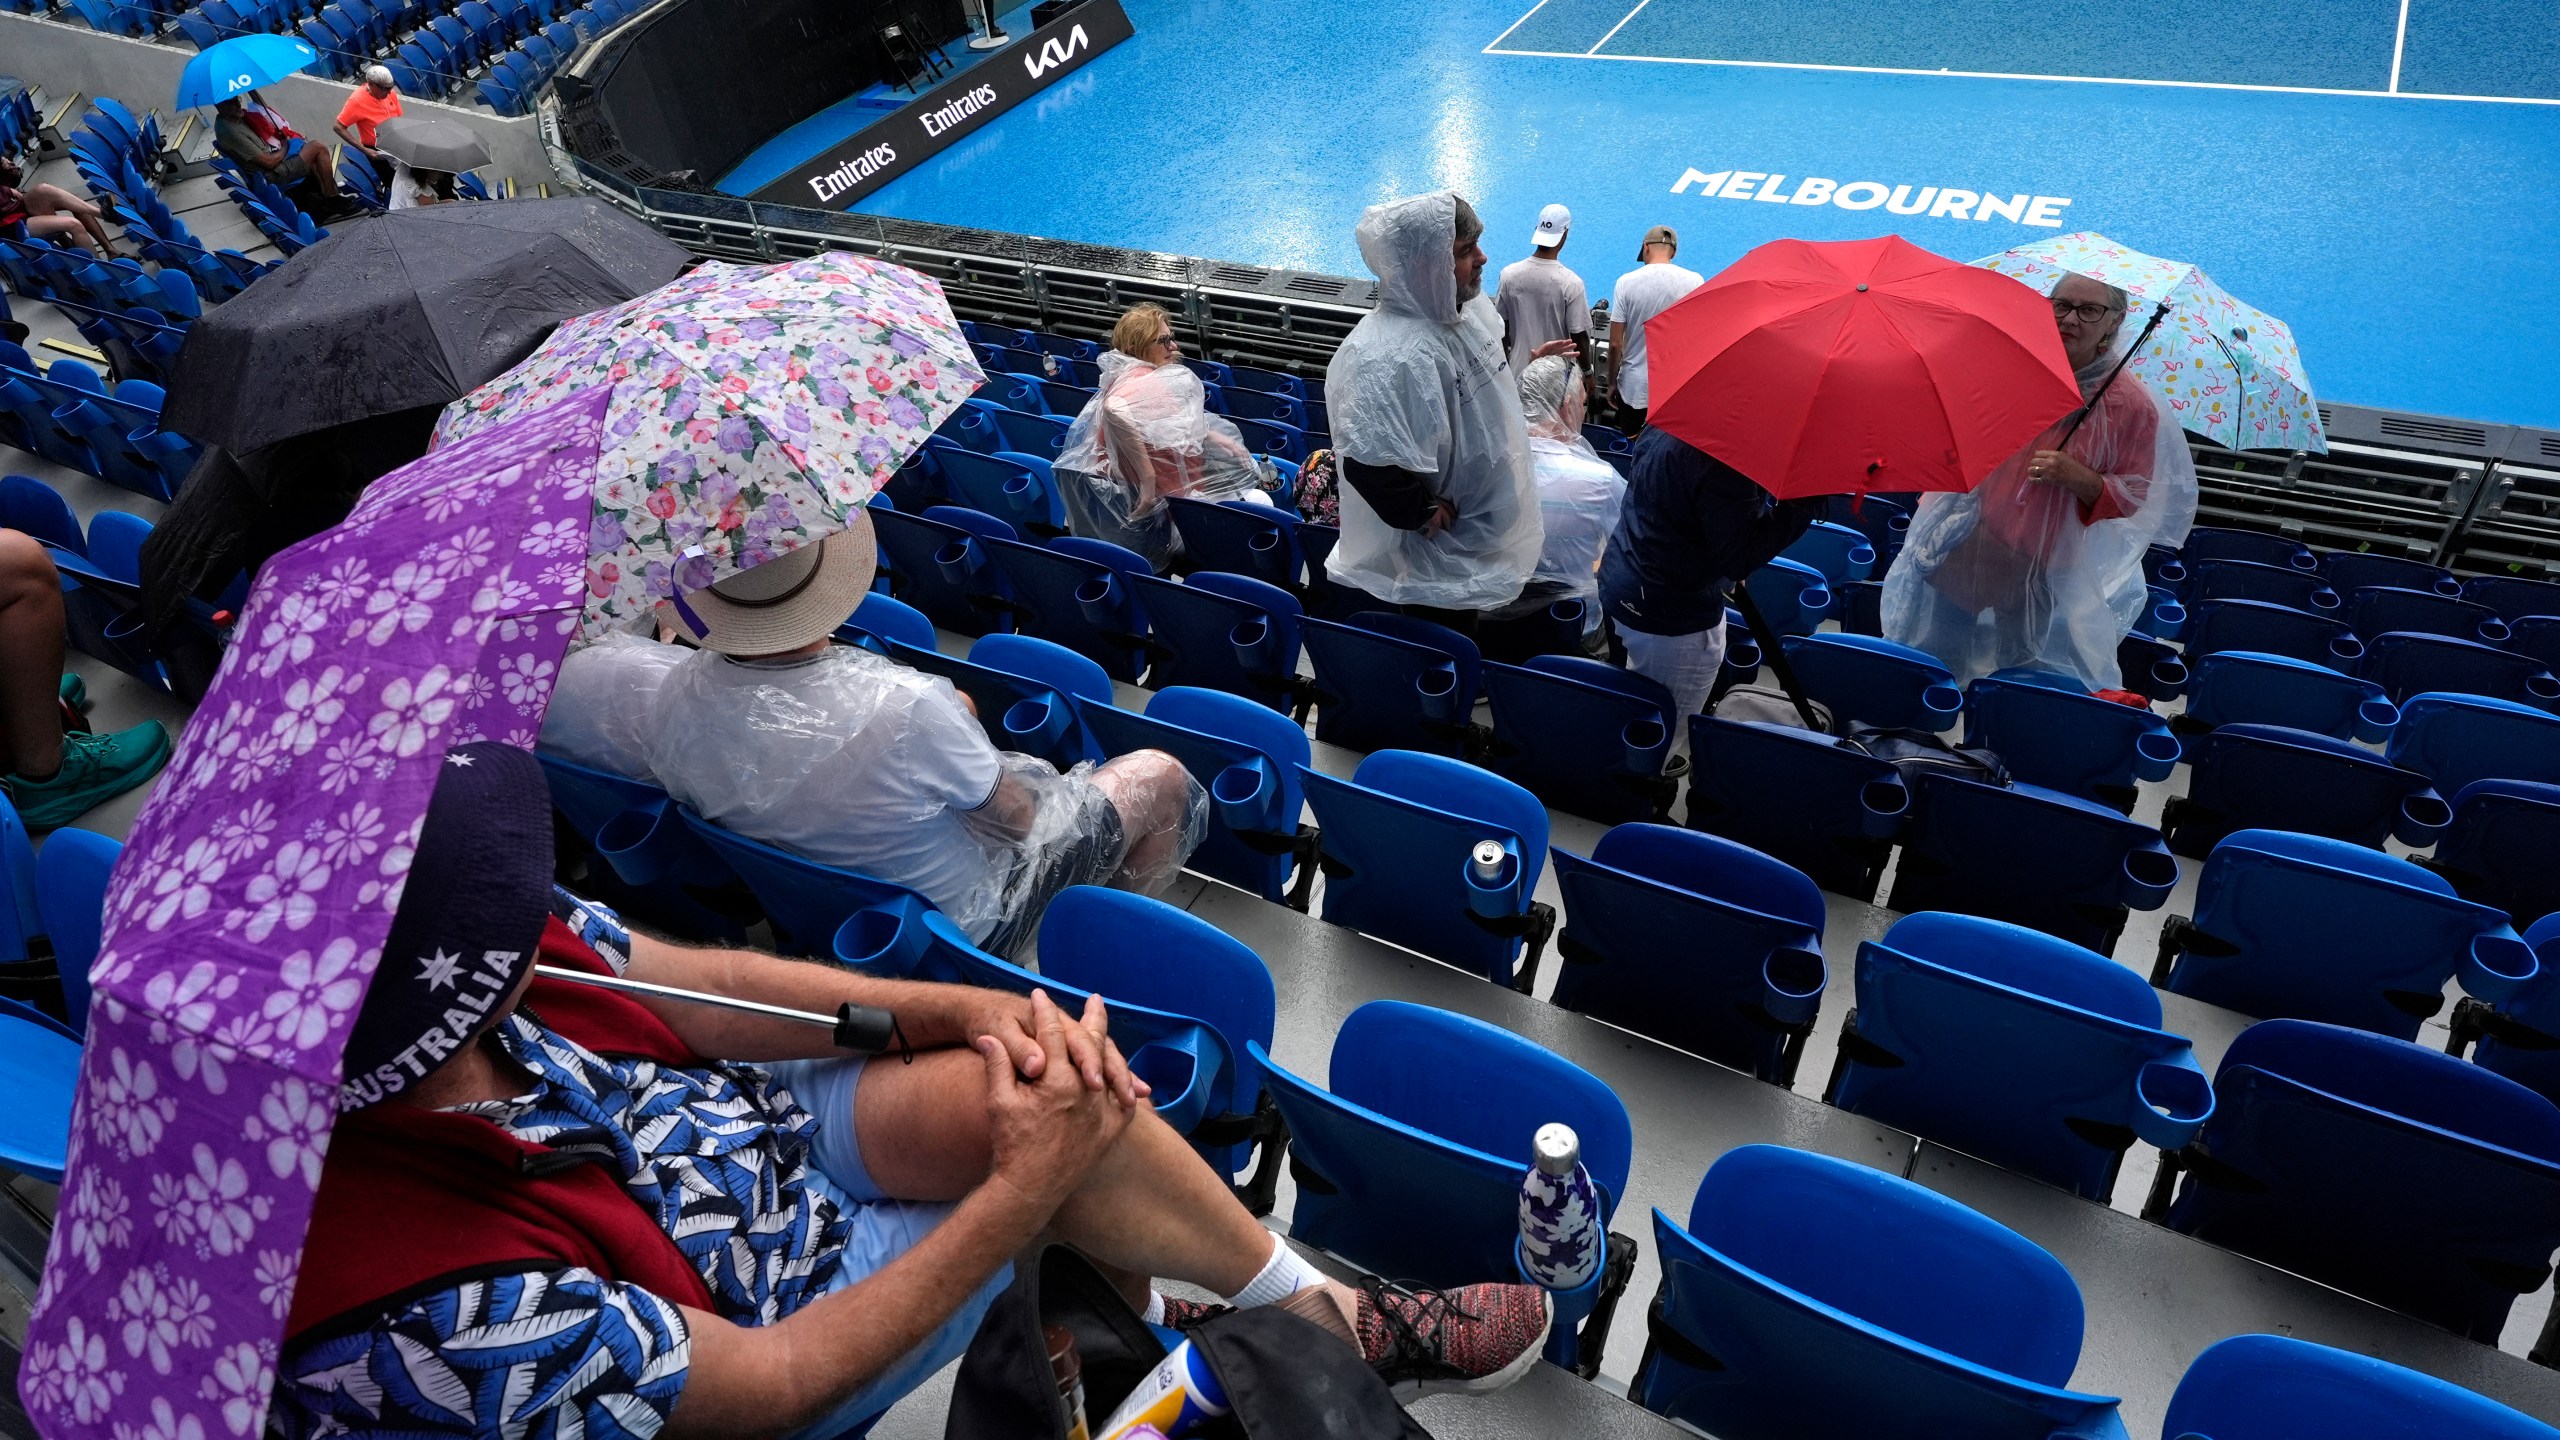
(257, 892)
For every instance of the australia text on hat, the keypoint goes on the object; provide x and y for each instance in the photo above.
(1934, 202)
(471, 1001)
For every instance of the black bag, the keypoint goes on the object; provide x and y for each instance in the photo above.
(1918, 752)
(1285, 1379)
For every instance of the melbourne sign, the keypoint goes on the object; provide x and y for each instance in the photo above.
(952, 111)
(1936, 202)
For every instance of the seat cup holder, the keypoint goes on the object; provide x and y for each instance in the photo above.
(2304, 560)
(2423, 818)
(1647, 744)
(1036, 722)
(881, 940)
(2543, 685)
(1437, 687)
(1884, 804)
(1101, 602)
(1492, 872)
(2325, 598)
(2156, 753)
(1791, 985)
(1943, 702)
(959, 561)
(2375, 720)
(2498, 966)
(2346, 647)
(1257, 645)
(2495, 632)
(2169, 677)
(2171, 1103)
(2172, 618)
(1246, 796)
(2149, 875)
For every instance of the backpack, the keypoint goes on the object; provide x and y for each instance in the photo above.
(1285, 1379)
(1918, 752)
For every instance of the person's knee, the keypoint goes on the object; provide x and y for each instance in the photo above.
(25, 568)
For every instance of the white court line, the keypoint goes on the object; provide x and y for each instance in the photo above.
(1630, 15)
(2010, 75)
(2399, 42)
(1516, 24)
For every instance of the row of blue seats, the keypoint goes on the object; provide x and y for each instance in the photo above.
(19, 123)
(1801, 1295)
(102, 587)
(269, 207)
(66, 414)
(117, 159)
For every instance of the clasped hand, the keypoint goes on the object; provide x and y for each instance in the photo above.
(1057, 1105)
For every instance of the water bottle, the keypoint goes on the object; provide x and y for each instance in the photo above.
(1560, 1240)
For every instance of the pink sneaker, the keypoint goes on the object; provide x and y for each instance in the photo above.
(1473, 1340)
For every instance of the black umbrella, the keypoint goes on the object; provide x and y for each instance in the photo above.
(415, 308)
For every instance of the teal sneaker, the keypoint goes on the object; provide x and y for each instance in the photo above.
(75, 691)
(95, 769)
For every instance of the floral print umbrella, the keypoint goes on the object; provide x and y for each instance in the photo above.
(754, 408)
(251, 906)
(2228, 370)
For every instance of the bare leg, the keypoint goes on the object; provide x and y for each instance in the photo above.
(30, 659)
(54, 201)
(1152, 792)
(1152, 1207)
(63, 227)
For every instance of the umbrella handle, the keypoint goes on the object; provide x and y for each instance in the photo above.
(2160, 313)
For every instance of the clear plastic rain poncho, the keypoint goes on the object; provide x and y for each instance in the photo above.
(1147, 433)
(1578, 493)
(605, 703)
(1421, 384)
(2011, 573)
(857, 761)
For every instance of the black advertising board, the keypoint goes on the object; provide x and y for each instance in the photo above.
(953, 110)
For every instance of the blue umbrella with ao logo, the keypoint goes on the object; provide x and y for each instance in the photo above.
(239, 65)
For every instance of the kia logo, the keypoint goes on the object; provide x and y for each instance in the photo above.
(1052, 54)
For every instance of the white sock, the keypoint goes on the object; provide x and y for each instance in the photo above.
(1154, 1313)
(1285, 1276)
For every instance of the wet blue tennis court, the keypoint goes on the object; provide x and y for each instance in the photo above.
(2410, 241)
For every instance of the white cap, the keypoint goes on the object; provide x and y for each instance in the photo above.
(377, 74)
(1557, 1148)
(1552, 223)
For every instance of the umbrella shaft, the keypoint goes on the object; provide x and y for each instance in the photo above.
(670, 992)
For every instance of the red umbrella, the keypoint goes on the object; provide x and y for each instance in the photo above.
(1827, 368)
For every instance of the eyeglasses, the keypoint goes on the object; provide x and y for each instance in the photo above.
(2089, 314)
(1164, 339)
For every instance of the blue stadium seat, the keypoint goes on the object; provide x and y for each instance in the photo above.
(21, 920)
(1268, 382)
(2383, 1168)
(1218, 631)
(2457, 740)
(1015, 392)
(2537, 636)
(1859, 607)
(1081, 594)
(1247, 757)
(1028, 693)
(2498, 850)
(973, 426)
(2206, 542)
(1327, 598)
(2248, 687)
(2217, 625)
(2514, 596)
(2267, 584)
(2379, 609)
(32, 507)
(2050, 732)
(987, 332)
(2030, 856)
(2266, 777)
(1019, 489)
(1066, 347)
(1060, 397)
(71, 895)
(1884, 522)
(1386, 681)
(2405, 663)
(1876, 682)
(884, 619)
(2298, 927)
(1585, 737)
(1791, 597)
(1810, 1298)
(1275, 409)
(1281, 442)
(657, 871)
(2033, 1053)
(1037, 435)
(2270, 1387)
(943, 570)
(1211, 372)
(1240, 538)
(1409, 1159)
(1399, 852)
(1696, 941)
(2352, 570)
(1810, 800)
(806, 901)
(2166, 615)
(39, 1067)
(1840, 553)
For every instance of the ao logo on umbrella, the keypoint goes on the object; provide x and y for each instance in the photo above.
(241, 63)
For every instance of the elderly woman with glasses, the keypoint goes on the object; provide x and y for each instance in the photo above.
(1147, 434)
(2041, 565)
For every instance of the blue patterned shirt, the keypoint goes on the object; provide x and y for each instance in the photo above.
(717, 1153)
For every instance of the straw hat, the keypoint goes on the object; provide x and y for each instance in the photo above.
(784, 603)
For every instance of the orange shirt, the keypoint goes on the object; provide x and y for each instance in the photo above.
(364, 112)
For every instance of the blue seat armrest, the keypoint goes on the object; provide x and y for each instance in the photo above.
(2498, 967)
(2171, 1101)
